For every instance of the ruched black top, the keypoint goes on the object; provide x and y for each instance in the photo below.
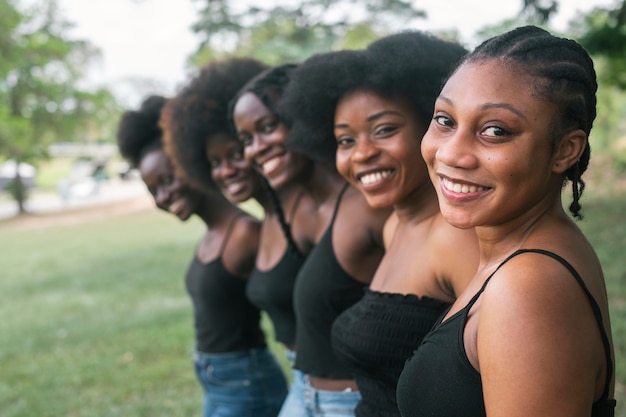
(375, 337)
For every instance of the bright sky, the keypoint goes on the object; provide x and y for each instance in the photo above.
(151, 39)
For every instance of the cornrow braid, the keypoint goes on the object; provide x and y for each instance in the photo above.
(569, 82)
(268, 86)
(282, 219)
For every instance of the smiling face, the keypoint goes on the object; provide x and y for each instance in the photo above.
(170, 193)
(488, 146)
(378, 147)
(230, 170)
(263, 136)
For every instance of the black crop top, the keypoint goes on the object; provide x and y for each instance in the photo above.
(375, 337)
(323, 291)
(272, 290)
(440, 381)
(225, 321)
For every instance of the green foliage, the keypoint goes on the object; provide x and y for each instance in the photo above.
(40, 69)
(291, 33)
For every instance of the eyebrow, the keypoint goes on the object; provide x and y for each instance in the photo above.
(488, 106)
(373, 117)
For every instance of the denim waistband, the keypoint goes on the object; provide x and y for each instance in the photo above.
(202, 356)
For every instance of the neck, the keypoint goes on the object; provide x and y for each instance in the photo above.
(418, 205)
(323, 184)
(216, 209)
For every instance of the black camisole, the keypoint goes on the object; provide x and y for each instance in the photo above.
(375, 337)
(440, 381)
(323, 291)
(224, 319)
(272, 290)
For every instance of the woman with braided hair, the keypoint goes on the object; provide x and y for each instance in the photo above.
(346, 232)
(530, 336)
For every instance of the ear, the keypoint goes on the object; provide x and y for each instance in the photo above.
(569, 150)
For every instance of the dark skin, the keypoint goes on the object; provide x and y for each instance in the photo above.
(379, 153)
(357, 232)
(234, 175)
(171, 194)
(488, 155)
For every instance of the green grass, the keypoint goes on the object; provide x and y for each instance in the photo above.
(96, 321)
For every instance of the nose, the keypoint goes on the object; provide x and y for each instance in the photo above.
(456, 150)
(226, 169)
(364, 150)
(162, 196)
(257, 147)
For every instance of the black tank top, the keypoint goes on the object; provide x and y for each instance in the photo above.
(225, 321)
(323, 291)
(375, 337)
(440, 381)
(272, 290)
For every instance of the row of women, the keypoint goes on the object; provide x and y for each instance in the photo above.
(414, 255)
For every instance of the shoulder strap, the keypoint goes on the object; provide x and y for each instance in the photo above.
(294, 207)
(594, 305)
(231, 226)
(339, 197)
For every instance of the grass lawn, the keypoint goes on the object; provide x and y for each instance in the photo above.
(96, 321)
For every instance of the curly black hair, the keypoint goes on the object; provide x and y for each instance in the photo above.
(569, 81)
(138, 131)
(412, 65)
(199, 112)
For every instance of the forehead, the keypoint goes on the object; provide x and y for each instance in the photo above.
(155, 164)
(221, 142)
(368, 100)
(488, 82)
(249, 105)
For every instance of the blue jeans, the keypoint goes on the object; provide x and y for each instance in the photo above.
(241, 384)
(305, 401)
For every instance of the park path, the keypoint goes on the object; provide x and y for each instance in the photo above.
(49, 209)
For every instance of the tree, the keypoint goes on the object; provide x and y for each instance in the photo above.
(39, 101)
(284, 33)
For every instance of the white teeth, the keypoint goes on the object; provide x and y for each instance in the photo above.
(374, 177)
(175, 206)
(234, 188)
(461, 188)
(270, 165)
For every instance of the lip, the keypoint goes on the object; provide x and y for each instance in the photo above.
(374, 178)
(456, 190)
(235, 187)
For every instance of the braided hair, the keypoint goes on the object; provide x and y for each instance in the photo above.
(138, 131)
(269, 86)
(199, 112)
(569, 82)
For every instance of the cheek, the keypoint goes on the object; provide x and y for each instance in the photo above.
(342, 162)
(428, 151)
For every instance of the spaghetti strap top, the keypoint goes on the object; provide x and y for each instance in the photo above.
(224, 319)
(439, 379)
(323, 291)
(272, 290)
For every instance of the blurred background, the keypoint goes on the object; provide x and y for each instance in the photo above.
(95, 320)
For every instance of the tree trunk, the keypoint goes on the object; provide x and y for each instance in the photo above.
(18, 189)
